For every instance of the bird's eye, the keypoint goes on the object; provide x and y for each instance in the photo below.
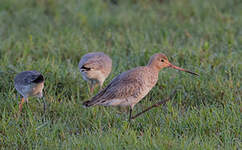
(162, 60)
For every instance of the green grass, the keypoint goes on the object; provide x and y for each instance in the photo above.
(51, 36)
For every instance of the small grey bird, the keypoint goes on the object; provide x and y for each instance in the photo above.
(128, 88)
(95, 68)
(29, 83)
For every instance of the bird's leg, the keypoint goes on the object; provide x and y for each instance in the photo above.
(20, 106)
(130, 113)
(44, 104)
(88, 87)
(156, 105)
(43, 98)
(91, 88)
(101, 85)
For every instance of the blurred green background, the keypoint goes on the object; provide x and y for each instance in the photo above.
(204, 36)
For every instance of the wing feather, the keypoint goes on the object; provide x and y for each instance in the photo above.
(127, 84)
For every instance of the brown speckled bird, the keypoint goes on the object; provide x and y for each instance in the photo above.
(29, 83)
(95, 68)
(128, 88)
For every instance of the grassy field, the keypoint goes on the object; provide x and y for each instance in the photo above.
(204, 36)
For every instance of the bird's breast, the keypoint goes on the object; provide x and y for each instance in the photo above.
(36, 89)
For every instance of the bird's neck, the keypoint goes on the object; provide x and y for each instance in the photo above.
(152, 76)
(154, 68)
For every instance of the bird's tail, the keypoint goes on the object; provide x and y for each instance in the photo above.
(96, 100)
(88, 103)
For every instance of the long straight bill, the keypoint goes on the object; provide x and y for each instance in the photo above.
(181, 69)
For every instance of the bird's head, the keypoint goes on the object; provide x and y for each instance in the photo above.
(160, 61)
